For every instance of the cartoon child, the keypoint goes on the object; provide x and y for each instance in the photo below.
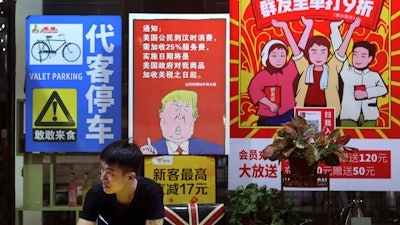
(361, 86)
(319, 79)
(271, 90)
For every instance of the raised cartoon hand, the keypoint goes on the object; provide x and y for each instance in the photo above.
(148, 149)
(278, 24)
(356, 22)
(335, 24)
(307, 22)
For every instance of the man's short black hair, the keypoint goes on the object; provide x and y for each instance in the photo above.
(125, 154)
(371, 47)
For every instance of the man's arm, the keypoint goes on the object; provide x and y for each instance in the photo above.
(343, 46)
(306, 33)
(155, 222)
(336, 37)
(272, 106)
(85, 222)
(288, 34)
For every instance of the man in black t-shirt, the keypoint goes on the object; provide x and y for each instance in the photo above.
(123, 197)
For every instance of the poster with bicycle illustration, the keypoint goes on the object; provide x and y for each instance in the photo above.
(52, 44)
(73, 82)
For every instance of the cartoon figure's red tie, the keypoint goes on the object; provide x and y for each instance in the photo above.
(179, 150)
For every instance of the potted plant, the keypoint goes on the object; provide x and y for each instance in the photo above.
(258, 205)
(299, 139)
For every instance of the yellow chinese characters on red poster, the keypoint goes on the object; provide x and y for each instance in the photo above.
(184, 179)
(178, 83)
(333, 54)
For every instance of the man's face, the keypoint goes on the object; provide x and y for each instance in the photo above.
(318, 54)
(361, 58)
(177, 122)
(113, 179)
(277, 57)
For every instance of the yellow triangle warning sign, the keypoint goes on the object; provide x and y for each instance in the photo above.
(53, 104)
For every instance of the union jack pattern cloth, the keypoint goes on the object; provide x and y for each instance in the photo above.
(193, 214)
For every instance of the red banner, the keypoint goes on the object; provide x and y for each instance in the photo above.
(363, 164)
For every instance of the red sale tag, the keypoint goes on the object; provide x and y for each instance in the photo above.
(363, 164)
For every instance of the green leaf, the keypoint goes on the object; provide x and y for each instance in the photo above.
(262, 205)
(343, 140)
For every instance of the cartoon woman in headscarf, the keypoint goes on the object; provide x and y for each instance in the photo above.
(271, 89)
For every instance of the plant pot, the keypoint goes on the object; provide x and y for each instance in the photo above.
(302, 174)
(299, 166)
(249, 221)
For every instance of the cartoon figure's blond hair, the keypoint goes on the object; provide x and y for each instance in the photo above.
(186, 96)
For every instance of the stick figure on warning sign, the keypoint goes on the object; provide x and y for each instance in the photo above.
(54, 101)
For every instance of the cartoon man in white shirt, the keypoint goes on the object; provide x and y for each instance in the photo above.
(361, 86)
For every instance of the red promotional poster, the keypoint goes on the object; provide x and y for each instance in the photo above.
(335, 54)
(178, 83)
(337, 64)
(371, 168)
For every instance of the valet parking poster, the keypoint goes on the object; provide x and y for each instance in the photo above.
(73, 83)
(372, 119)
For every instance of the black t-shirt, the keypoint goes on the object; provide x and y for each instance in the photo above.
(146, 205)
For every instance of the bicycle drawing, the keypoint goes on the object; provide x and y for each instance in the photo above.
(43, 49)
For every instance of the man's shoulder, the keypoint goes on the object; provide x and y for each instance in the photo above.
(147, 185)
(97, 194)
(98, 188)
(142, 179)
